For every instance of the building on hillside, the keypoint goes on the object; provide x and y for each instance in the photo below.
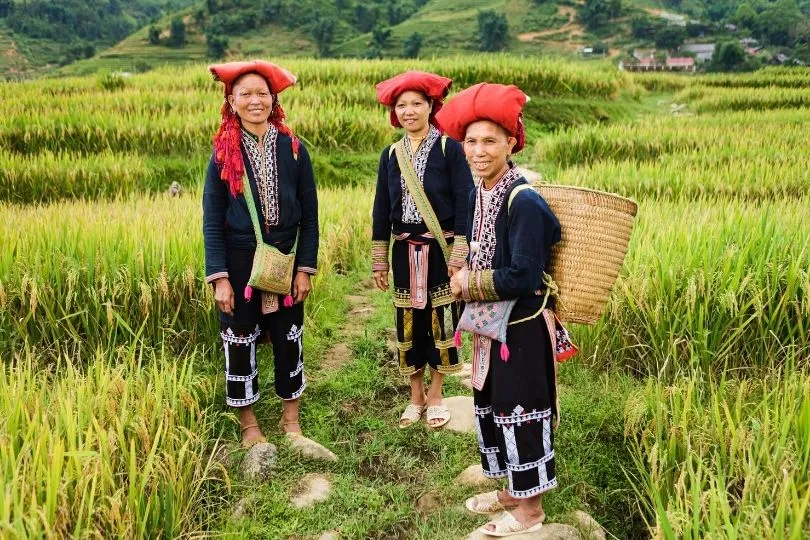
(703, 51)
(638, 54)
(683, 64)
(749, 42)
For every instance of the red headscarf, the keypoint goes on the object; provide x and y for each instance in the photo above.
(485, 101)
(435, 87)
(227, 151)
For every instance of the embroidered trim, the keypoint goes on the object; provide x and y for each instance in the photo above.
(297, 394)
(518, 418)
(298, 369)
(379, 255)
(242, 402)
(265, 172)
(496, 474)
(410, 213)
(459, 253)
(214, 277)
(534, 491)
(229, 337)
(402, 298)
(452, 369)
(482, 411)
(241, 377)
(527, 466)
(490, 450)
(441, 295)
(484, 217)
(307, 270)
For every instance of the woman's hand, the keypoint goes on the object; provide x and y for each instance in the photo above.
(456, 279)
(381, 279)
(451, 270)
(223, 294)
(302, 285)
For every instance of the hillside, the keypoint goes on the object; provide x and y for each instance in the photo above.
(424, 28)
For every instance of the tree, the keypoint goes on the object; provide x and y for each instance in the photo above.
(154, 35)
(217, 45)
(729, 56)
(177, 33)
(5, 8)
(493, 30)
(596, 13)
(776, 22)
(364, 17)
(412, 45)
(324, 33)
(745, 16)
(380, 36)
(643, 26)
(670, 37)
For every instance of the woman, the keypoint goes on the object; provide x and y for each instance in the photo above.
(511, 231)
(422, 189)
(253, 140)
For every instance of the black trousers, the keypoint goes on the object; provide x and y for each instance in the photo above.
(514, 411)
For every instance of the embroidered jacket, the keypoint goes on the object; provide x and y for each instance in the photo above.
(524, 235)
(447, 182)
(294, 203)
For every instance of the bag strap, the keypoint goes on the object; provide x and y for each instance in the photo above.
(444, 144)
(515, 191)
(254, 215)
(420, 198)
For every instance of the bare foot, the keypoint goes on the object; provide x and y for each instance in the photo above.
(528, 514)
(290, 426)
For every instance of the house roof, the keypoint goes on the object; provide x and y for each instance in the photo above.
(681, 61)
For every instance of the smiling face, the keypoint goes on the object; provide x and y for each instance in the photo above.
(487, 147)
(251, 100)
(413, 110)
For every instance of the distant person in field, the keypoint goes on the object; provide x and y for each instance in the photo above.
(253, 140)
(511, 231)
(423, 185)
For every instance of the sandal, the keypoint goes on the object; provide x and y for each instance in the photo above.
(507, 525)
(282, 425)
(438, 412)
(249, 443)
(410, 415)
(485, 503)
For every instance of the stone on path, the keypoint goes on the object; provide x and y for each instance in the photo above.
(244, 507)
(258, 462)
(462, 417)
(309, 448)
(474, 476)
(428, 502)
(315, 488)
(550, 531)
(329, 535)
(589, 527)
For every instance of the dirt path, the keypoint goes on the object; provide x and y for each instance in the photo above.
(571, 26)
(361, 309)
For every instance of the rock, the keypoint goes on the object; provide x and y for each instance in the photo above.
(309, 448)
(462, 417)
(466, 371)
(175, 189)
(428, 502)
(224, 454)
(589, 527)
(474, 476)
(314, 488)
(258, 462)
(391, 334)
(357, 300)
(550, 531)
(329, 535)
(530, 176)
(244, 507)
(393, 352)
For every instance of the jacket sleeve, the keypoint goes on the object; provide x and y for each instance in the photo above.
(381, 217)
(306, 259)
(215, 204)
(462, 185)
(532, 229)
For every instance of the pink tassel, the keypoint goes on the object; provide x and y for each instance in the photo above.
(504, 352)
(288, 301)
(248, 293)
(457, 339)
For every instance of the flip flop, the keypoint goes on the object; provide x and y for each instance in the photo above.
(411, 415)
(507, 525)
(250, 443)
(485, 504)
(437, 412)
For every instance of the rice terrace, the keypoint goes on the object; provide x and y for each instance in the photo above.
(685, 413)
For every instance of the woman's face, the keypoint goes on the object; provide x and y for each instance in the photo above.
(412, 110)
(487, 147)
(251, 99)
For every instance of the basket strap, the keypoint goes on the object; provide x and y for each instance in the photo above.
(515, 191)
(254, 216)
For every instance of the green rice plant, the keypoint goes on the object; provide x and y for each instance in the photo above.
(723, 457)
(758, 99)
(115, 449)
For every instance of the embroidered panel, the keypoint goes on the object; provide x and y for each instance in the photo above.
(264, 164)
(410, 213)
(487, 207)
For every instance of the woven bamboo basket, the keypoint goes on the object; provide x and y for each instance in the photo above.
(596, 228)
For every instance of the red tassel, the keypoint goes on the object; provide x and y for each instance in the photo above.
(504, 352)
(457, 339)
(248, 293)
(288, 301)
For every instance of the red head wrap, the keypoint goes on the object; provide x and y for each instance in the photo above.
(227, 150)
(435, 87)
(484, 101)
